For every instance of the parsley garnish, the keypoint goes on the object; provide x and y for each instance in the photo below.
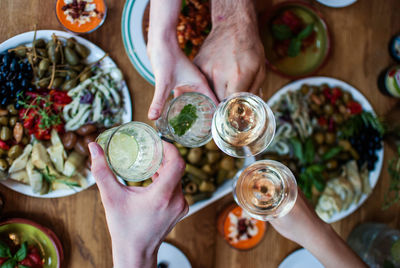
(184, 120)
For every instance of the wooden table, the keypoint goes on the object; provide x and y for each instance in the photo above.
(360, 36)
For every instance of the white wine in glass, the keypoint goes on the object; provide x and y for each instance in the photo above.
(266, 190)
(133, 150)
(243, 125)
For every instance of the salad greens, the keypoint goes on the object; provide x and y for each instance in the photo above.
(184, 120)
(283, 32)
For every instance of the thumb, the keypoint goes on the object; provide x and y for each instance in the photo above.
(105, 178)
(160, 96)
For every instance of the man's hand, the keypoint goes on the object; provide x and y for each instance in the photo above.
(139, 218)
(232, 56)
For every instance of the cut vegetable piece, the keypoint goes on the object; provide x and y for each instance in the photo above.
(74, 162)
(20, 162)
(40, 158)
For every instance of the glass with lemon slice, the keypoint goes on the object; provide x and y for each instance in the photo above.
(133, 150)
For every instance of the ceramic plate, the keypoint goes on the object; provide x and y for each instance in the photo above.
(172, 256)
(332, 82)
(42, 238)
(301, 258)
(337, 3)
(95, 54)
(132, 36)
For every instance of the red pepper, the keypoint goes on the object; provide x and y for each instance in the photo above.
(322, 121)
(292, 20)
(59, 97)
(354, 107)
(4, 145)
(336, 94)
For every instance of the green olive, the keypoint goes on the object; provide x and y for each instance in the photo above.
(3, 165)
(25, 140)
(322, 149)
(319, 138)
(338, 118)
(44, 65)
(13, 120)
(11, 109)
(42, 52)
(69, 85)
(346, 97)
(61, 73)
(39, 43)
(4, 120)
(5, 133)
(342, 109)
(3, 152)
(58, 81)
(330, 137)
(14, 152)
(43, 82)
(20, 51)
(332, 164)
(85, 75)
(328, 109)
(82, 50)
(305, 89)
(54, 54)
(41, 73)
(71, 42)
(71, 56)
(72, 74)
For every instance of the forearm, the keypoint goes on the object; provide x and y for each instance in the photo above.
(239, 12)
(330, 249)
(163, 21)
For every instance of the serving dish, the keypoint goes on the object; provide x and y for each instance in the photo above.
(96, 53)
(366, 106)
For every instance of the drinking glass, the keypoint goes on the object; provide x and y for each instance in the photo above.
(243, 125)
(133, 150)
(198, 132)
(266, 190)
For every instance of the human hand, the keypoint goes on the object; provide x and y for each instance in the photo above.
(139, 218)
(232, 56)
(303, 226)
(173, 71)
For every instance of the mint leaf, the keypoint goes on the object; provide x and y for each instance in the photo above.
(294, 47)
(331, 153)
(297, 149)
(4, 250)
(306, 32)
(22, 252)
(281, 31)
(184, 120)
(309, 152)
(10, 263)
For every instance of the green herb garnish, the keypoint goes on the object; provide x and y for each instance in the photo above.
(184, 120)
(50, 179)
(283, 32)
(13, 260)
(356, 122)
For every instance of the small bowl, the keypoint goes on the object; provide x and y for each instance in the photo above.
(83, 29)
(41, 237)
(306, 63)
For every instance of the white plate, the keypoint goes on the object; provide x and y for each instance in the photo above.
(337, 3)
(132, 36)
(172, 256)
(332, 82)
(95, 54)
(301, 258)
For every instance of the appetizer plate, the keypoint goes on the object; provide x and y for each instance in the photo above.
(41, 237)
(337, 3)
(332, 82)
(132, 36)
(95, 54)
(172, 256)
(301, 258)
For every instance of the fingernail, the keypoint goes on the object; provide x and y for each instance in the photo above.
(153, 113)
(94, 150)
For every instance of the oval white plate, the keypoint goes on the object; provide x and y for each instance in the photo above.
(301, 258)
(337, 3)
(172, 256)
(132, 36)
(332, 82)
(95, 54)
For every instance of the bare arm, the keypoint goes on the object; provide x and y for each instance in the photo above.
(172, 69)
(303, 226)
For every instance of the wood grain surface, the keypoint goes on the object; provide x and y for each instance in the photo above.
(360, 34)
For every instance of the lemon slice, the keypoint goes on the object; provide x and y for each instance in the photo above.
(122, 150)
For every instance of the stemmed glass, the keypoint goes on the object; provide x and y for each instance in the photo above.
(187, 119)
(243, 125)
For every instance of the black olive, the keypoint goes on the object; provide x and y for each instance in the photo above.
(30, 88)
(6, 59)
(17, 105)
(24, 83)
(4, 101)
(14, 67)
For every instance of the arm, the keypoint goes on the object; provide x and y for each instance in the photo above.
(232, 56)
(303, 226)
(139, 218)
(172, 69)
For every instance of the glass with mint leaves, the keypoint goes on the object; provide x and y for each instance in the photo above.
(187, 120)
